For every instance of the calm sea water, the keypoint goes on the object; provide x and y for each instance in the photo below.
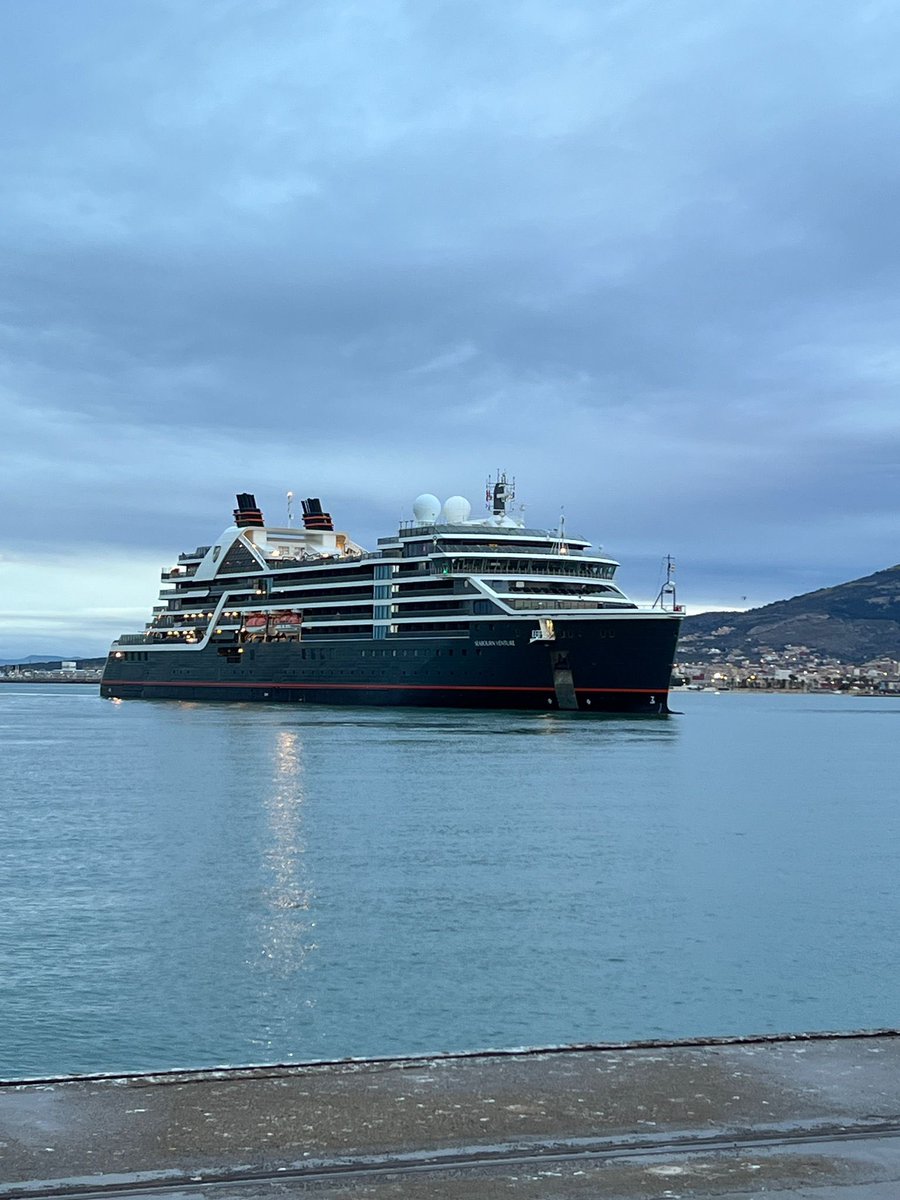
(187, 884)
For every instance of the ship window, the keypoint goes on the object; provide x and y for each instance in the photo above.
(239, 558)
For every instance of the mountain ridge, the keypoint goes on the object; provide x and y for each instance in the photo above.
(855, 622)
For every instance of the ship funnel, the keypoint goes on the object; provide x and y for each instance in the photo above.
(247, 514)
(314, 517)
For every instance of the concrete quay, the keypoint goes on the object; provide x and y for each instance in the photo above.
(815, 1116)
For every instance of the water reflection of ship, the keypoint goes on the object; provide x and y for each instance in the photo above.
(288, 928)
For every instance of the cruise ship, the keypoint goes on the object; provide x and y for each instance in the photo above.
(449, 611)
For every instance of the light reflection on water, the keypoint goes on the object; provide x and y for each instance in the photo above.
(187, 884)
(287, 933)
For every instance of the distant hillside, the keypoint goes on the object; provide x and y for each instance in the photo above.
(853, 622)
(50, 664)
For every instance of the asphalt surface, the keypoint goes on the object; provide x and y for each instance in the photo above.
(817, 1118)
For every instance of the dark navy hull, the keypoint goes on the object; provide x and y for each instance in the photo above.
(614, 665)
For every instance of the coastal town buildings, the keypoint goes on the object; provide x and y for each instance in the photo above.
(795, 668)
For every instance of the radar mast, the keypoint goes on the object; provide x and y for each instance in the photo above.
(667, 598)
(499, 492)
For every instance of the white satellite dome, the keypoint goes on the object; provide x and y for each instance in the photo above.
(457, 510)
(426, 508)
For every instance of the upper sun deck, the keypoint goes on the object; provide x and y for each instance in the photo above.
(446, 534)
(488, 540)
(481, 531)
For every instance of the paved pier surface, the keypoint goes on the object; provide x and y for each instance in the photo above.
(816, 1117)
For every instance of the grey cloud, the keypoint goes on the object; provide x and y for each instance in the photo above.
(647, 255)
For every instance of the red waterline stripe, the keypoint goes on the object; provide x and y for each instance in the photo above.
(406, 687)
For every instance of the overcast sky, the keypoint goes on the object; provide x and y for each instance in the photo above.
(644, 255)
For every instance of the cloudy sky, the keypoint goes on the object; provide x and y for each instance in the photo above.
(643, 255)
